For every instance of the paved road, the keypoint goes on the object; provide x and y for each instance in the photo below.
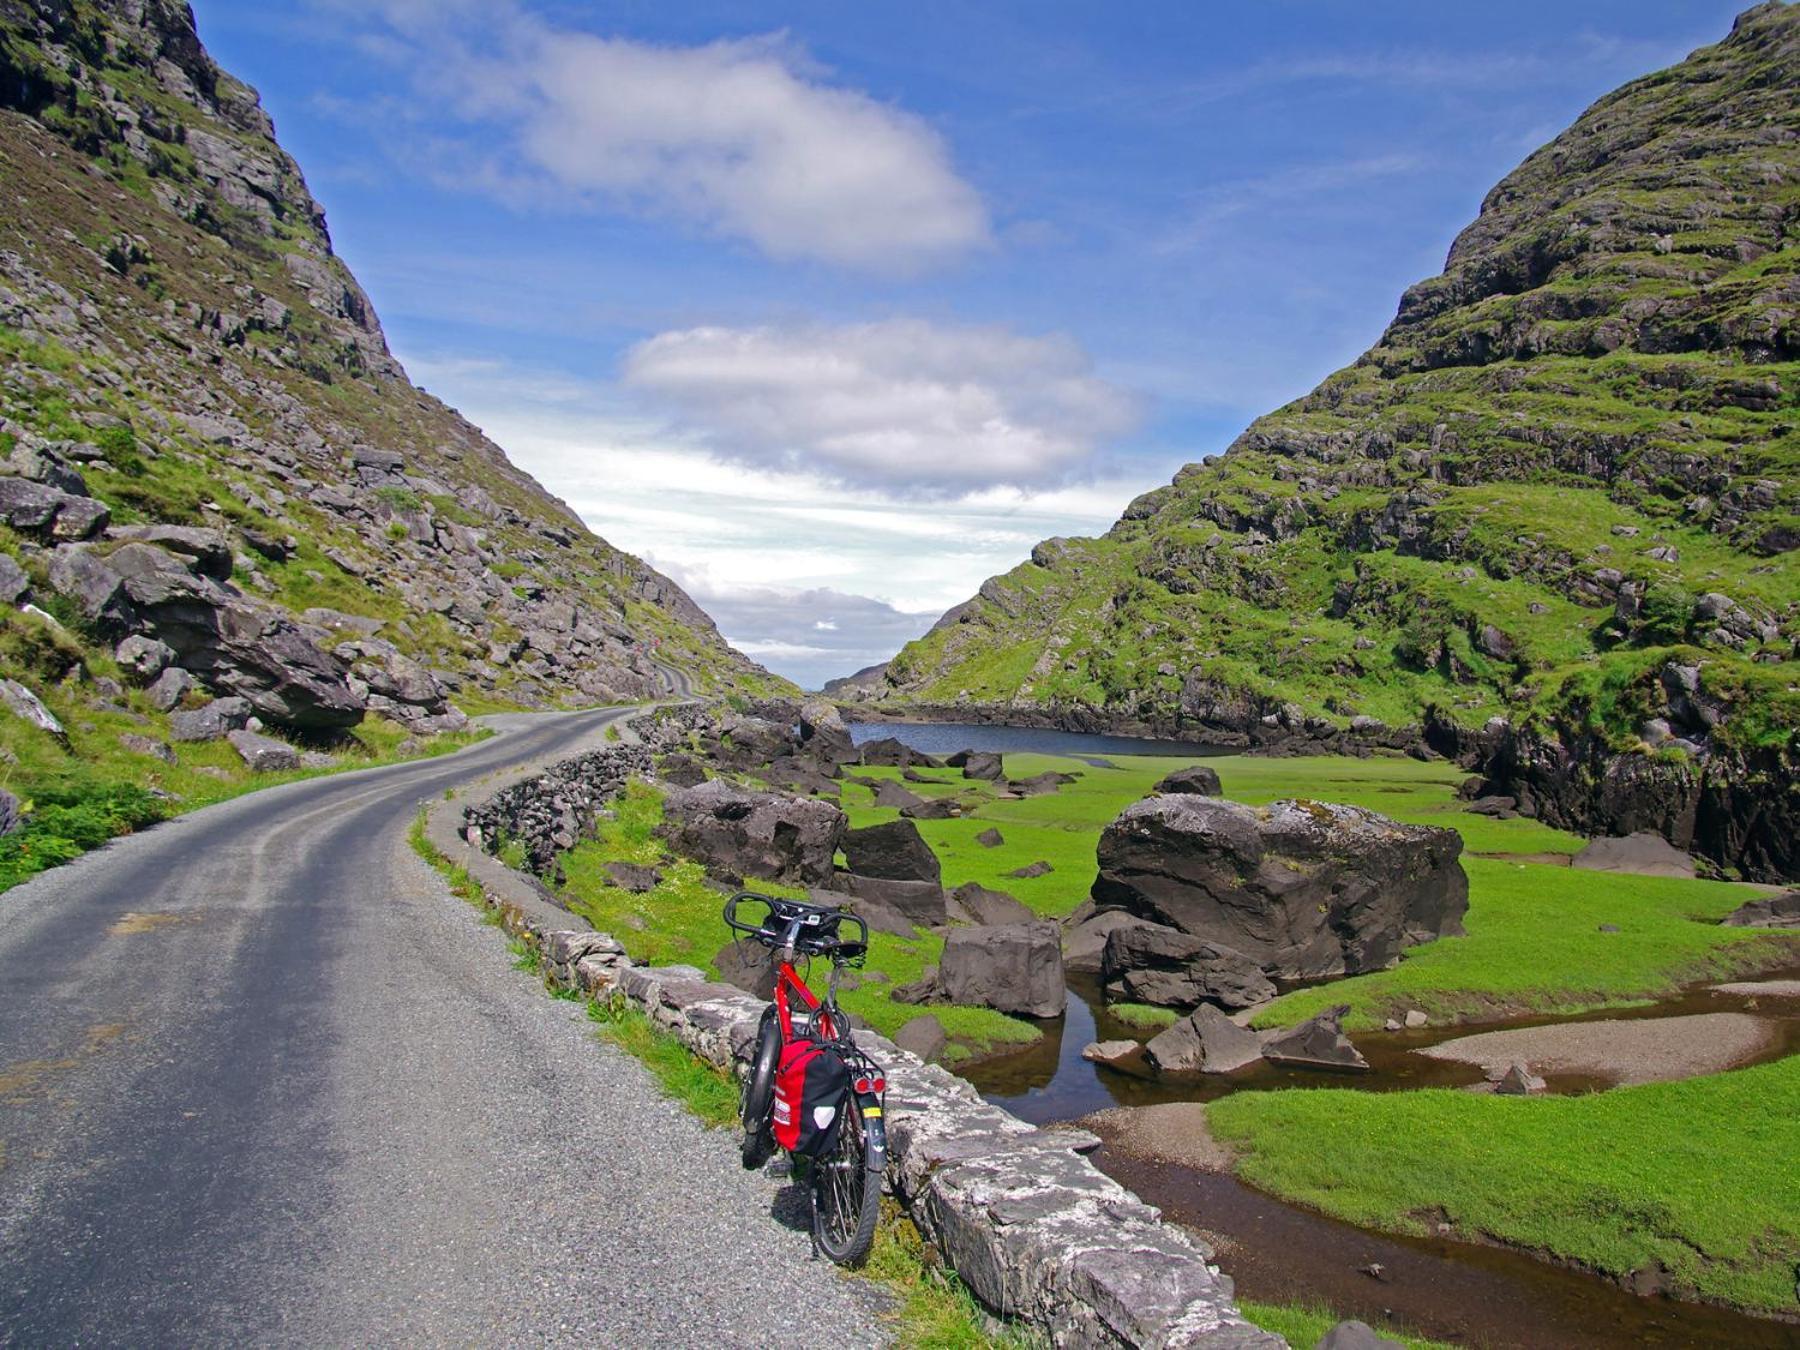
(263, 1081)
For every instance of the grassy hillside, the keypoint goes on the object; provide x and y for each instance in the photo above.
(1569, 465)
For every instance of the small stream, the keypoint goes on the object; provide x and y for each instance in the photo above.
(1280, 1253)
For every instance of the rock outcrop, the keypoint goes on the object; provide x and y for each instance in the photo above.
(1305, 890)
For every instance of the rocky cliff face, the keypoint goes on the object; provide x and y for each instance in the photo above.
(1549, 517)
(207, 450)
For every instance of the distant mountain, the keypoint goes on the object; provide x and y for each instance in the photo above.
(180, 347)
(1561, 490)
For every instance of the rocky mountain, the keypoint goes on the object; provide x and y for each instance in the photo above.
(1547, 523)
(210, 462)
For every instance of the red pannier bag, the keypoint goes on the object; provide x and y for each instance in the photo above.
(811, 1085)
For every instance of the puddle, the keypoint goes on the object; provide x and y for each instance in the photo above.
(1450, 1291)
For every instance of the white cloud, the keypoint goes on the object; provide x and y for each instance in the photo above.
(902, 403)
(743, 138)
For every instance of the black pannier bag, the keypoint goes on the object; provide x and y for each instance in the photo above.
(812, 1089)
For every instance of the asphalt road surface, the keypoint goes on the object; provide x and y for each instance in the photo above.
(264, 1081)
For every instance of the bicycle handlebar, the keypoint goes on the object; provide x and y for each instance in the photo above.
(793, 925)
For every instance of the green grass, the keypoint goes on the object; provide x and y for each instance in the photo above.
(708, 1093)
(1142, 1016)
(1697, 1177)
(1303, 1328)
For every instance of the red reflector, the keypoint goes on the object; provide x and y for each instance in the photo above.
(863, 1085)
(881, 1085)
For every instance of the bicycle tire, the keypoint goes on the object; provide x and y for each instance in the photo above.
(846, 1192)
(757, 1101)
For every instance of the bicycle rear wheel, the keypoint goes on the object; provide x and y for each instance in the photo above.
(846, 1192)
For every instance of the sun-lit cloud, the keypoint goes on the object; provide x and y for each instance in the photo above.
(744, 138)
(902, 403)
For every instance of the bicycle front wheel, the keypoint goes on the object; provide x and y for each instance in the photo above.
(757, 1099)
(846, 1192)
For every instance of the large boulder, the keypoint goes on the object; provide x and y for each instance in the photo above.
(823, 734)
(1014, 967)
(1198, 780)
(892, 851)
(1777, 911)
(1306, 890)
(975, 903)
(237, 645)
(263, 754)
(752, 742)
(1084, 945)
(213, 722)
(1645, 853)
(1205, 1041)
(917, 902)
(979, 765)
(1152, 963)
(739, 833)
(38, 508)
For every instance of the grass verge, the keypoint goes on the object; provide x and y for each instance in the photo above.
(1627, 1183)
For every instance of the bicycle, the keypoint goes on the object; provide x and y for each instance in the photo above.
(810, 1088)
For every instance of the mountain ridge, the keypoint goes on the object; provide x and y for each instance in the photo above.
(1547, 518)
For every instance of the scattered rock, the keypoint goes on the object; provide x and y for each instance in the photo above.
(1196, 780)
(990, 838)
(15, 585)
(1317, 1043)
(923, 1036)
(1354, 1335)
(749, 966)
(146, 745)
(1415, 1018)
(634, 877)
(1777, 911)
(1153, 963)
(1518, 1081)
(1014, 968)
(681, 771)
(979, 765)
(823, 733)
(10, 817)
(143, 658)
(740, 833)
(1305, 889)
(892, 851)
(1084, 945)
(1205, 1041)
(263, 754)
(1036, 869)
(1109, 1052)
(1645, 853)
(168, 689)
(938, 808)
(29, 707)
(976, 904)
(209, 723)
(893, 795)
(917, 902)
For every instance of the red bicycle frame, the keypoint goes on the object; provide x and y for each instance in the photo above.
(788, 984)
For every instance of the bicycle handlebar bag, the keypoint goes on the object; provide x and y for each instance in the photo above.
(812, 1083)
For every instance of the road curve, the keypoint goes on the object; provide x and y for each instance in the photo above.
(262, 1080)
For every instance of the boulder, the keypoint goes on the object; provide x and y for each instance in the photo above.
(918, 902)
(1354, 1335)
(752, 742)
(823, 734)
(1084, 944)
(168, 689)
(887, 752)
(1317, 1043)
(892, 851)
(1306, 890)
(10, 816)
(976, 904)
(1205, 1041)
(634, 877)
(143, 658)
(1645, 853)
(38, 508)
(923, 1036)
(15, 585)
(893, 795)
(209, 723)
(749, 966)
(990, 838)
(1030, 870)
(208, 550)
(1777, 911)
(937, 808)
(1109, 1052)
(881, 916)
(1152, 963)
(1519, 1081)
(27, 706)
(146, 745)
(237, 645)
(681, 771)
(1038, 785)
(740, 833)
(1014, 968)
(980, 765)
(1197, 780)
(263, 754)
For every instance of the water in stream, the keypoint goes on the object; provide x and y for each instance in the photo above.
(1280, 1253)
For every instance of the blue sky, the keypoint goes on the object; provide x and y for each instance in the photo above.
(832, 310)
